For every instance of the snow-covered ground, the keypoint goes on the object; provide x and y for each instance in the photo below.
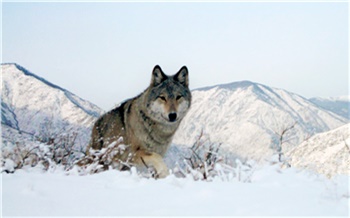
(272, 191)
(327, 153)
(247, 117)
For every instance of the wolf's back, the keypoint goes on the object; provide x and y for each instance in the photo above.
(109, 127)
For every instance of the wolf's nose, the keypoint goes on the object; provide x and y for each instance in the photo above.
(172, 117)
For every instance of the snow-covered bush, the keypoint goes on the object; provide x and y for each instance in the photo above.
(16, 155)
(107, 158)
(206, 161)
(64, 151)
(203, 161)
(28, 150)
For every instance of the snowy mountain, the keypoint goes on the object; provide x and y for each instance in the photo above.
(338, 105)
(37, 107)
(248, 118)
(326, 153)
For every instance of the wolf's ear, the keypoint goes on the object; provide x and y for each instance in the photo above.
(182, 76)
(157, 76)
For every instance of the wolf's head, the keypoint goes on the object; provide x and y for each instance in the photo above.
(169, 97)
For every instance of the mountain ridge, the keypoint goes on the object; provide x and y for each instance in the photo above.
(338, 105)
(34, 105)
(246, 116)
(69, 94)
(29, 73)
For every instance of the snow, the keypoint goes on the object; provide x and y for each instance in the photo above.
(245, 116)
(242, 116)
(327, 153)
(273, 191)
(9, 165)
(31, 104)
(338, 105)
(345, 98)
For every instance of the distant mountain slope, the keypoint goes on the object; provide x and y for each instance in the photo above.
(8, 117)
(246, 116)
(338, 105)
(38, 107)
(327, 153)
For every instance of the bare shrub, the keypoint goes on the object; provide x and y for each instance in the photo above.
(104, 159)
(63, 150)
(282, 139)
(206, 161)
(17, 152)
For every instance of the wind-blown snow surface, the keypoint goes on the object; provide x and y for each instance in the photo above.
(247, 117)
(273, 191)
(327, 153)
(35, 106)
(242, 115)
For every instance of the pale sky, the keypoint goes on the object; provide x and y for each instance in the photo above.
(105, 52)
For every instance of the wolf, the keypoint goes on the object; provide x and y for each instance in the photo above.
(147, 122)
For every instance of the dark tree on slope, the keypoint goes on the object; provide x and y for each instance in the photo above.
(282, 138)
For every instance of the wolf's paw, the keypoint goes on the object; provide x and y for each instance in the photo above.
(161, 172)
(155, 165)
(156, 169)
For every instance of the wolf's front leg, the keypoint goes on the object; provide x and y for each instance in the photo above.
(153, 160)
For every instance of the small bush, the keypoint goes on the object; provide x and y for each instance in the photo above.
(206, 162)
(55, 152)
(107, 158)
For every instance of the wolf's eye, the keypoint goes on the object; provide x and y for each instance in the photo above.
(162, 98)
(178, 97)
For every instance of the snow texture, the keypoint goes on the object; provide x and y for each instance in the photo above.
(326, 153)
(272, 192)
(35, 106)
(246, 118)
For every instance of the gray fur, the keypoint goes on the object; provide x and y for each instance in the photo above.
(148, 122)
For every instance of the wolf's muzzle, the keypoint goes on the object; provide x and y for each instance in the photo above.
(172, 117)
